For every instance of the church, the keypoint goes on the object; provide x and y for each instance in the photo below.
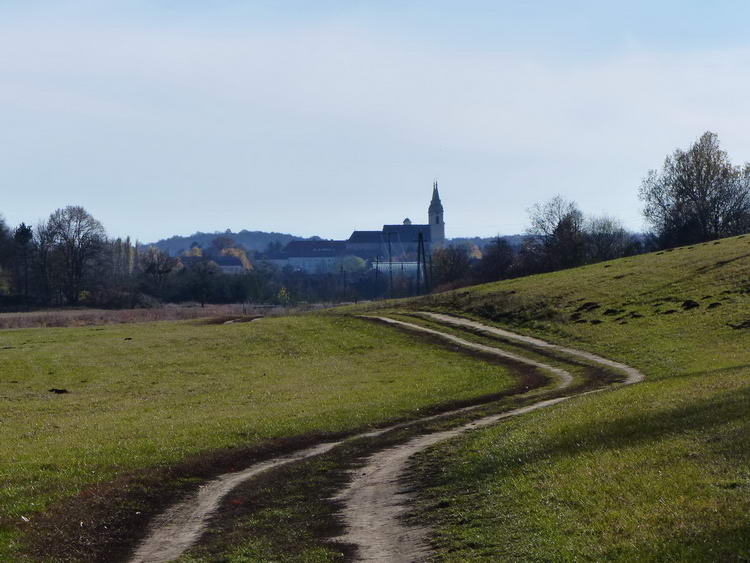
(396, 242)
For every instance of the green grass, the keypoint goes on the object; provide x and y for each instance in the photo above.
(149, 395)
(286, 515)
(586, 375)
(658, 471)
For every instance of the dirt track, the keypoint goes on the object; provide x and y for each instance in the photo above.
(633, 375)
(179, 527)
(373, 501)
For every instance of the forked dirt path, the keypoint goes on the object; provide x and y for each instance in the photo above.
(374, 500)
(564, 376)
(633, 375)
(180, 526)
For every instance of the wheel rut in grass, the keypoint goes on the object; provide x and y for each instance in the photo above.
(375, 500)
(565, 378)
(372, 502)
(633, 375)
(178, 528)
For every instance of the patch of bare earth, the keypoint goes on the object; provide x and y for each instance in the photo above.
(375, 501)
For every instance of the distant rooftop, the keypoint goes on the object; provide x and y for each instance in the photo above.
(408, 233)
(315, 248)
(366, 237)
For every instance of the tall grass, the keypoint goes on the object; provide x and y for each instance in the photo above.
(93, 317)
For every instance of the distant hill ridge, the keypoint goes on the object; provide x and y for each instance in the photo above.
(251, 240)
(259, 240)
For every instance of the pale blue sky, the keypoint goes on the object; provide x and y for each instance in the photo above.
(321, 117)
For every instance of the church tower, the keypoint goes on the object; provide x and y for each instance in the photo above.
(435, 215)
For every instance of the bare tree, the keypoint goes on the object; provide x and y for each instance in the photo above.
(6, 254)
(201, 276)
(44, 241)
(22, 237)
(450, 264)
(557, 225)
(544, 218)
(698, 195)
(156, 267)
(79, 237)
(496, 261)
(606, 239)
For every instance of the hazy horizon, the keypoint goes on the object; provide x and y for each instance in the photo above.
(175, 117)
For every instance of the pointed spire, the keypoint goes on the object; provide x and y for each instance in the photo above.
(435, 205)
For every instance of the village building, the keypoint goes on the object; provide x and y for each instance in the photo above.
(397, 243)
(229, 264)
(313, 256)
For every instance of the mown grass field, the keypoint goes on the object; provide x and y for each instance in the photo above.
(154, 394)
(658, 471)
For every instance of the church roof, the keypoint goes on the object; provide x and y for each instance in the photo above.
(315, 248)
(407, 233)
(366, 237)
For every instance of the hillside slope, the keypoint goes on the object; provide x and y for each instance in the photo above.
(251, 240)
(658, 471)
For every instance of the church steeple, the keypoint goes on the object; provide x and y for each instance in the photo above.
(435, 205)
(435, 217)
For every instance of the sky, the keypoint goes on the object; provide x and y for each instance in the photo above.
(318, 118)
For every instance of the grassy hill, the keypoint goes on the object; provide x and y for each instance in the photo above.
(658, 471)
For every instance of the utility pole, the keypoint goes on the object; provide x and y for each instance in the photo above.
(377, 272)
(420, 247)
(343, 282)
(390, 267)
(428, 281)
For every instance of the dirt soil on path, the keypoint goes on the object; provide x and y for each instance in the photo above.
(633, 375)
(375, 501)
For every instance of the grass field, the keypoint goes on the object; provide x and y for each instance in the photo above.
(151, 395)
(656, 471)
(659, 471)
(82, 316)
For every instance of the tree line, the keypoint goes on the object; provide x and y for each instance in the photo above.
(559, 236)
(68, 260)
(698, 195)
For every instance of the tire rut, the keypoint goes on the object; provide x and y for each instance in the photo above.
(633, 375)
(375, 501)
